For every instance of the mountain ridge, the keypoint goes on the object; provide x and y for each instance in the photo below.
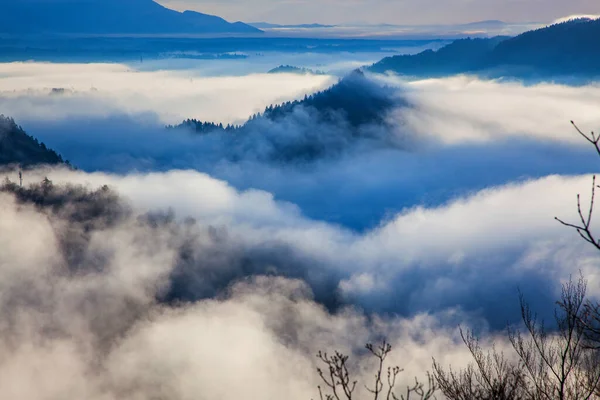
(565, 49)
(109, 17)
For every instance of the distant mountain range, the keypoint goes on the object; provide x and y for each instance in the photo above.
(266, 25)
(108, 17)
(490, 24)
(18, 148)
(570, 48)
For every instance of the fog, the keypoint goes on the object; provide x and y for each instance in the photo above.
(98, 317)
(466, 109)
(86, 308)
(209, 267)
(445, 137)
(103, 90)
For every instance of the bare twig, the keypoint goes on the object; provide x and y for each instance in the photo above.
(337, 378)
(592, 138)
(584, 228)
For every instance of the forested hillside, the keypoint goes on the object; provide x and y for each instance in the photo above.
(462, 55)
(325, 122)
(568, 48)
(17, 147)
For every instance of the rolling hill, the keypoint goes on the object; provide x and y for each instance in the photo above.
(108, 17)
(320, 125)
(463, 55)
(570, 48)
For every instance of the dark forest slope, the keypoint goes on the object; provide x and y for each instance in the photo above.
(569, 48)
(460, 56)
(353, 110)
(18, 148)
(354, 98)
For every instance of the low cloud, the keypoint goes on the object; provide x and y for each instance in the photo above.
(436, 255)
(134, 300)
(446, 138)
(194, 273)
(101, 90)
(99, 327)
(466, 109)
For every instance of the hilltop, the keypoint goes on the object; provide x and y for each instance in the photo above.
(355, 103)
(18, 148)
(290, 69)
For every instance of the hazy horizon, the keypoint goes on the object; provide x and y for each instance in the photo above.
(447, 12)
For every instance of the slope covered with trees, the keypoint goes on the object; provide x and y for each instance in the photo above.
(568, 48)
(18, 148)
(462, 55)
(290, 69)
(324, 122)
(354, 98)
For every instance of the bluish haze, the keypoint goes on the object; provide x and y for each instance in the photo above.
(410, 12)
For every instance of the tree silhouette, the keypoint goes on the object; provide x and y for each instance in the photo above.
(338, 382)
(561, 362)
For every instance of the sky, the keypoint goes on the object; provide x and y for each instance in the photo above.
(404, 12)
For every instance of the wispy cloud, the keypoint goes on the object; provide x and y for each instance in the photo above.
(104, 89)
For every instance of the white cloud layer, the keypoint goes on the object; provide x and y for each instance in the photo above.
(236, 304)
(455, 136)
(467, 109)
(453, 110)
(102, 335)
(514, 222)
(104, 89)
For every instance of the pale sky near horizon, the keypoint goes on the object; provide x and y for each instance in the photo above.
(409, 12)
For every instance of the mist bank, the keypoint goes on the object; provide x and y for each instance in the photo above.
(420, 142)
(242, 51)
(388, 268)
(191, 264)
(179, 283)
(102, 90)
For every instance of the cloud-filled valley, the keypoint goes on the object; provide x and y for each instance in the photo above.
(147, 271)
(98, 284)
(440, 139)
(101, 90)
